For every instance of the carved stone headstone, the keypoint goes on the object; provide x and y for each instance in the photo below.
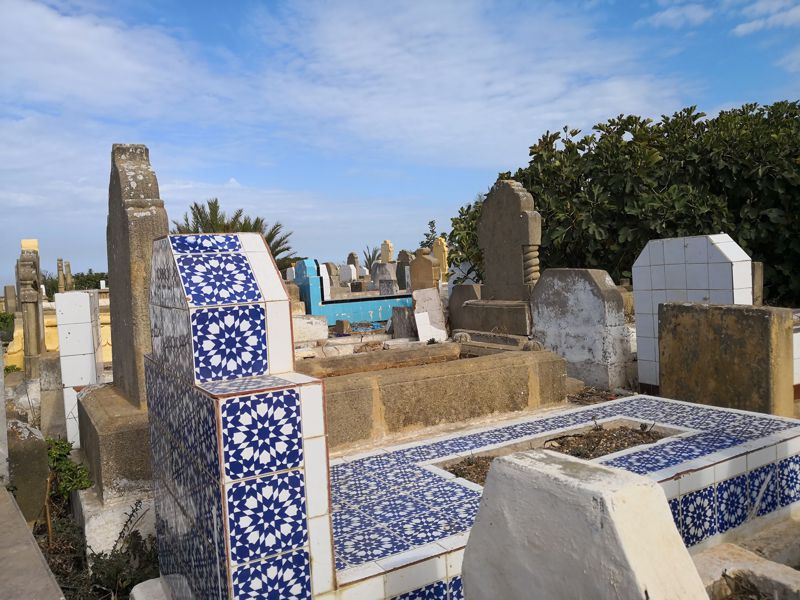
(388, 287)
(62, 281)
(509, 234)
(30, 299)
(387, 252)
(68, 282)
(352, 259)
(136, 217)
(10, 294)
(425, 271)
(382, 272)
(439, 251)
(404, 258)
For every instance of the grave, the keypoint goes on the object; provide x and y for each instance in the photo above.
(425, 270)
(439, 251)
(30, 296)
(710, 269)
(387, 252)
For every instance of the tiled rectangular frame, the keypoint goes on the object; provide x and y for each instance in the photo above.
(711, 269)
(718, 455)
(241, 486)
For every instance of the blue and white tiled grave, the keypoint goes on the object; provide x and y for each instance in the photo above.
(240, 459)
(401, 521)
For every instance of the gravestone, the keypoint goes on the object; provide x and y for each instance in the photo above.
(429, 315)
(388, 287)
(347, 273)
(290, 274)
(352, 259)
(68, 281)
(387, 252)
(381, 272)
(29, 294)
(439, 250)
(710, 269)
(333, 273)
(62, 286)
(10, 295)
(425, 271)
(363, 272)
(404, 324)
(404, 258)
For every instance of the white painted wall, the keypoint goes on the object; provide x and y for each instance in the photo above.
(554, 526)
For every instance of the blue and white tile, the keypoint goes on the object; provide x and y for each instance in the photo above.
(284, 577)
(733, 503)
(762, 484)
(698, 516)
(455, 589)
(229, 342)
(214, 279)
(266, 515)
(205, 242)
(368, 545)
(261, 433)
(433, 591)
(235, 387)
(789, 480)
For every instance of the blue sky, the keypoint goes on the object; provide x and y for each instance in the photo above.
(349, 122)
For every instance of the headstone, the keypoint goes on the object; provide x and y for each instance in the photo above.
(102, 284)
(388, 287)
(404, 258)
(357, 286)
(363, 272)
(425, 271)
(509, 234)
(404, 324)
(347, 273)
(440, 253)
(136, 217)
(352, 259)
(381, 271)
(711, 269)
(326, 281)
(290, 274)
(333, 273)
(29, 294)
(62, 286)
(429, 315)
(10, 294)
(68, 282)
(342, 327)
(387, 252)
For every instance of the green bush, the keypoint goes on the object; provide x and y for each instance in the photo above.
(67, 475)
(6, 327)
(602, 196)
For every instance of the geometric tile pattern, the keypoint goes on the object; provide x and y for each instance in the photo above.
(229, 342)
(261, 433)
(284, 577)
(763, 486)
(698, 515)
(243, 384)
(733, 503)
(434, 591)
(266, 515)
(789, 480)
(201, 243)
(211, 279)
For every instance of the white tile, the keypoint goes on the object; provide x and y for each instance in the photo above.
(370, 589)
(674, 251)
(647, 372)
(677, 295)
(659, 297)
(742, 275)
(645, 325)
(730, 468)
(280, 349)
(696, 249)
(671, 488)
(656, 248)
(316, 467)
(720, 276)
(797, 371)
(78, 370)
(267, 275)
(454, 562)
(298, 378)
(788, 448)
(367, 570)
(643, 260)
(73, 307)
(75, 338)
(697, 277)
(734, 252)
(691, 482)
(675, 277)
(73, 431)
(312, 411)
(642, 302)
(252, 242)
(415, 576)
(743, 296)
(646, 349)
(641, 278)
(761, 457)
(70, 403)
(321, 547)
(719, 238)
(658, 279)
(454, 542)
(698, 296)
(721, 297)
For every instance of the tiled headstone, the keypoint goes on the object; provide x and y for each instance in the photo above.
(240, 458)
(712, 269)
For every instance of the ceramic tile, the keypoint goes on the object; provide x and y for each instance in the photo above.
(456, 589)
(229, 342)
(720, 276)
(312, 410)
(675, 277)
(266, 515)
(743, 296)
(252, 242)
(641, 278)
(643, 260)
(316, 471)
(698, 515)
(368, 545)
(204, 242)
(415, 574)
(697, 277)
(733, 503)
(321, 549)
(696, 249)
(789, 480)
(279, 338)
(261, 433)
(433, 591)
(674, 252)
(268, 276)
(213, 279)
(258, 383)
(762, 484)
(656, 248)
(658, 280)
(284, 577)
(721, 297)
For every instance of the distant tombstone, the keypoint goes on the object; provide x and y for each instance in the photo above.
(357, 286)
(404, 258)
(439, 251)
(382, 271)
(388, 287)
(68, 281)
(387, 252)
(10, 294)
(290, 274)
(429, 315)
(62, 283)
(352, 259)
(363, 272)
(347, 273)
(326, 281)
(425, 271)
(509, 234)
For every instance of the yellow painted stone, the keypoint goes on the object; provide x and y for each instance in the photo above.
(440, 253)
(50, 333)
(15, 353)
(30, 244)
(105, 336)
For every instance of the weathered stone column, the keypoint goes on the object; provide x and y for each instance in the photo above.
(61, 278)
(136, 217)
(30, 298)
(69, 284)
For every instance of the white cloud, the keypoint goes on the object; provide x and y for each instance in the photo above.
(784, 18)
(676, 17)
(791, 61)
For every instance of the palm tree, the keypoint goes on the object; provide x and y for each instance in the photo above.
(208, 217)
(371, 256)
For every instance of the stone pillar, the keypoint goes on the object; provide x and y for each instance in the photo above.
(387, 252)
(68, 282)
(30, 298)
(136, 217)
(352, 259)
(440, 252)
(240, 459)
(425, 270)
(404, 258)
(62, 287)
(10, 294)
